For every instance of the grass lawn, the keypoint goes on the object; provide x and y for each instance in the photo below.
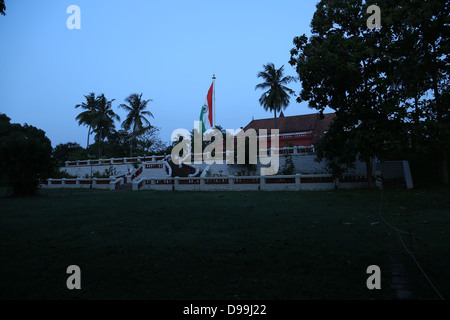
(230, 245)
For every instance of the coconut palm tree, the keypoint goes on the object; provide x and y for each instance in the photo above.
(278, 95)
(86, 117)
(103, 120)
(136, 115)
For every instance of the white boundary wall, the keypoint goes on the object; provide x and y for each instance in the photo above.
(252, 183)
(78, 183)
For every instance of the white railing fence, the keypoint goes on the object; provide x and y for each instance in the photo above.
(253, 183)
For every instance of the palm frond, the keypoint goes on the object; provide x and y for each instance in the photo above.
(148, 113)
(126, 107)
(263, 85)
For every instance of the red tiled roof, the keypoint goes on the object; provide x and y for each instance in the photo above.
(302, 123)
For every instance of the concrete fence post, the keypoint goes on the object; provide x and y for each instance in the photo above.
(231, 183)
(202, 183)
(176, 182)
(298, 181)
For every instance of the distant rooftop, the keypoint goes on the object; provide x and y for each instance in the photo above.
(295, 124)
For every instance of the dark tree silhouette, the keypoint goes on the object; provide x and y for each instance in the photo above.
(136, 119)
(278, 95)
(2, 7)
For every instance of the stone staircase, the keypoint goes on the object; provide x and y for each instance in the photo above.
(153, 170)
(152, 173)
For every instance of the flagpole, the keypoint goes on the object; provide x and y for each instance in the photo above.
(214, 99)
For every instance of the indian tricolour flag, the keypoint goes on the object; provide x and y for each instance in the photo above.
(206, 115)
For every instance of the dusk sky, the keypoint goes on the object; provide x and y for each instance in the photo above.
(167, 50)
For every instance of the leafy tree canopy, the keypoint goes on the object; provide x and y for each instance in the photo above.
(66, 152)
(368, 77)
(25, 156)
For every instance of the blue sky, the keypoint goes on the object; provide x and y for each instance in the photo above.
(167, 50)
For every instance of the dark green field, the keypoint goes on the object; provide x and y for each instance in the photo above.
(249, 245)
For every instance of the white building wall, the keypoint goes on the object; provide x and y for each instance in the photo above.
(85, 171)
(307, 164)
(304, 164)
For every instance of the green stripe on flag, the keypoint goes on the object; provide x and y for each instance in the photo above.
(201, 120)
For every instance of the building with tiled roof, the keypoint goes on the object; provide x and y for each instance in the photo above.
(302, 130)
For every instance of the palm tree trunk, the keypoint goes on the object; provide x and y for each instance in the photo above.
(132, 139)
(100, 145)
(131, 145)
(89, 133)
(275, 113)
